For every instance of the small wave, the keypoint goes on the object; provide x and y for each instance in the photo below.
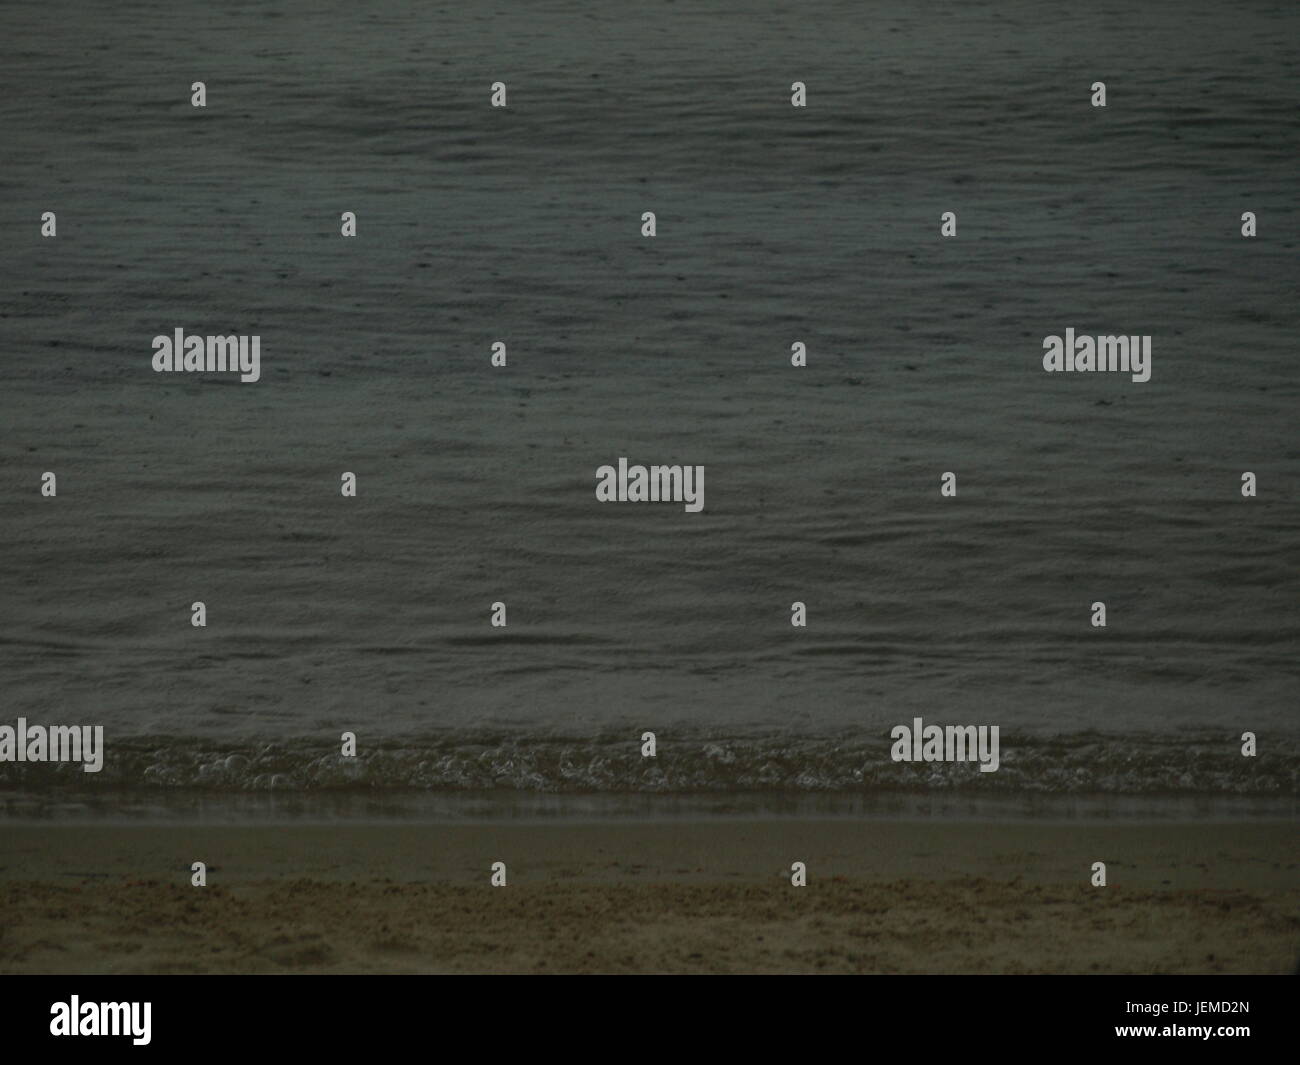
(1204, 764)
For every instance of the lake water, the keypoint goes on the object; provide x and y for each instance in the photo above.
(476, 485)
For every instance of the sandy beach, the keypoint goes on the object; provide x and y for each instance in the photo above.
(882, 897)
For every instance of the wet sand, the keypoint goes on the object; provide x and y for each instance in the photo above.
(652, 897)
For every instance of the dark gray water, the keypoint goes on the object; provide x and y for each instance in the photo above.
(476, 485)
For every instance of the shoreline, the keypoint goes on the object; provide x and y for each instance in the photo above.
(414, 807)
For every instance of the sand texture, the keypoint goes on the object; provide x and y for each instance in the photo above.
(701, 897)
